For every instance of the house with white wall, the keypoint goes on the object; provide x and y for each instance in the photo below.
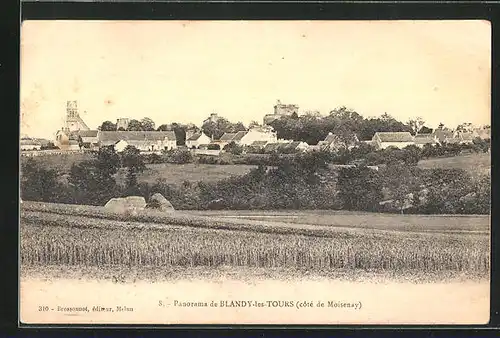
(333, 142)
(247, 138)
(258, 133)
(383, 140)
(145, 141)
(195, 140)
(422, 139)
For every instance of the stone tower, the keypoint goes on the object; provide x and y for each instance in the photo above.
(122, 123)
(285, 109)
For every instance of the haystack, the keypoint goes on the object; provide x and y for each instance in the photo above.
(129, 204)
(159, 202)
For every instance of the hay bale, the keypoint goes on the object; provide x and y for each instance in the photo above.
(127, 205)
(159, 202)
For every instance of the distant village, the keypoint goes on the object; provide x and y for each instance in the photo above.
(76, 136)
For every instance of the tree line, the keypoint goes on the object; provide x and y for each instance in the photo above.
(304, 181)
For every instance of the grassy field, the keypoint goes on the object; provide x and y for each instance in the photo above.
(49, 237)
(60, 163)
(171, 173)
(477, 164)
(178, 173)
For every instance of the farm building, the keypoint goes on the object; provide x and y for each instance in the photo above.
(422, 139)
(258, 144)
(443, 134)
(258, 133)
(89, 138)
(333, 142)
(383, 140)
(195, 140)
(67, 140)
(272, 147)
(246, 138)
(295, 146)
(460, 138)
(368, 142)
(145, 141)
(228, 138)
(286, 147)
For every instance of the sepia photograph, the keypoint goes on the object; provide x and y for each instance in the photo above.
(255, 172)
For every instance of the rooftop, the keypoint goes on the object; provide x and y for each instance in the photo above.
(394, 136)
(194, 137)
(108, 136)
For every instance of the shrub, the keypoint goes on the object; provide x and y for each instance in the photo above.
(180, 156)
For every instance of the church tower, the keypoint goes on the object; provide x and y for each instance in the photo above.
(73, 120)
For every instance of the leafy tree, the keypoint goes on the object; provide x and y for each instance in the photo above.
(134, 125)
(464, 127)
(179, 156)
(164, 127)
(179, 130)
(93, 180)
(180, 133)
(253, 124)
(147, 124)
(238, 126)
(213, 147)
(416, 124)
(39, 184)
(345, 125)
(384, 123)
(107, 126)
(306, 128)
(425, 130)
(233, 148)
(402, 183)
(217, 128)
(108, 162)
(360, 188)
(133, 161)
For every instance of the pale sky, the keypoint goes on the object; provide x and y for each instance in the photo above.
(181, 71)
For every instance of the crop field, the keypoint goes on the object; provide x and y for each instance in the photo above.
(178, 173)
(95, 238)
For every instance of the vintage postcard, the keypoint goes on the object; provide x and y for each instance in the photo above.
(255, 172)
